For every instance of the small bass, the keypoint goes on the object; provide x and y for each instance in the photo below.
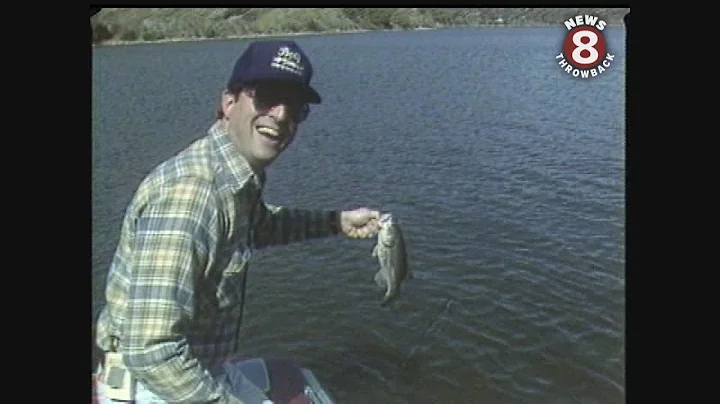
(391, 253)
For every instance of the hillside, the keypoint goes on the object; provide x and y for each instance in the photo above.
(113, 25)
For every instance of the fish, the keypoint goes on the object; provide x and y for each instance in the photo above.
(391, 253)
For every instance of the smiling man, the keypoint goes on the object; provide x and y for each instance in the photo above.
(175, 289)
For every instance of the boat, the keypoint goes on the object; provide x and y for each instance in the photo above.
(271, 381)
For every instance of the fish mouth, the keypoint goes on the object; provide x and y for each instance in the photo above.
(385, 219)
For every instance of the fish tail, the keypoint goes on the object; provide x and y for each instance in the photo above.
(386, 300)
(390, 295)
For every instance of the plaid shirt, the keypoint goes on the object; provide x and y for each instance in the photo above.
(174, 287)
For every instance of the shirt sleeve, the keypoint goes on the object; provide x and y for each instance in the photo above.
(175, 237)
(277, 225)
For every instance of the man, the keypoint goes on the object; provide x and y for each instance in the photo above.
(176, 285)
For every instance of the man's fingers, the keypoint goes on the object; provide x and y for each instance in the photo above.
(353, 233)
(363, 232)
(363, 223)
(374, 227)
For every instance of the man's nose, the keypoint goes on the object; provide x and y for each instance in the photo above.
(279, 111)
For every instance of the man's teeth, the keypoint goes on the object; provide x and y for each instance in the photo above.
(268, 131)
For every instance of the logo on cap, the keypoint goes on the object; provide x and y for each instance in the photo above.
(288, 60)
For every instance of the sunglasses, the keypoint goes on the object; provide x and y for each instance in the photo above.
(268, 95)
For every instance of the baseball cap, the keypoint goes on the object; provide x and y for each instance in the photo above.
(275, 60)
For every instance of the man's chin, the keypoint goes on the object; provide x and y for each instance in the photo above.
(266, 149)
(265, 155)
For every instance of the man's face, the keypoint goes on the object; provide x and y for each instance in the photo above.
(263, 120)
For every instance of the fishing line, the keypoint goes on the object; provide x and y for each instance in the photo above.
(428, 330)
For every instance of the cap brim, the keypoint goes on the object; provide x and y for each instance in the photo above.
(312, 96)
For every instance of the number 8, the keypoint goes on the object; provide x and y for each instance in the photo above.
(590, 47)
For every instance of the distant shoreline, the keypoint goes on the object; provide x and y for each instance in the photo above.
(117, 42)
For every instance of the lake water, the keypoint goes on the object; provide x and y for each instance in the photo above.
(508, 176)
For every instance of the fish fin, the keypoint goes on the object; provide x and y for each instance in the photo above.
(380, 279)
(374, 251)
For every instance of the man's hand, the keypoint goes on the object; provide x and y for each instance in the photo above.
(360, 223)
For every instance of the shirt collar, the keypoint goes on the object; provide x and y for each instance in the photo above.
(239, 169)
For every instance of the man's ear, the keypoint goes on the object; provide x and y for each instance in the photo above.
(227, 102)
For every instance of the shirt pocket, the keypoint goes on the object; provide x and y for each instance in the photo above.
(229, 289)
(220, 299)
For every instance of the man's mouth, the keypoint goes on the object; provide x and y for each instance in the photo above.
(268, 132)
